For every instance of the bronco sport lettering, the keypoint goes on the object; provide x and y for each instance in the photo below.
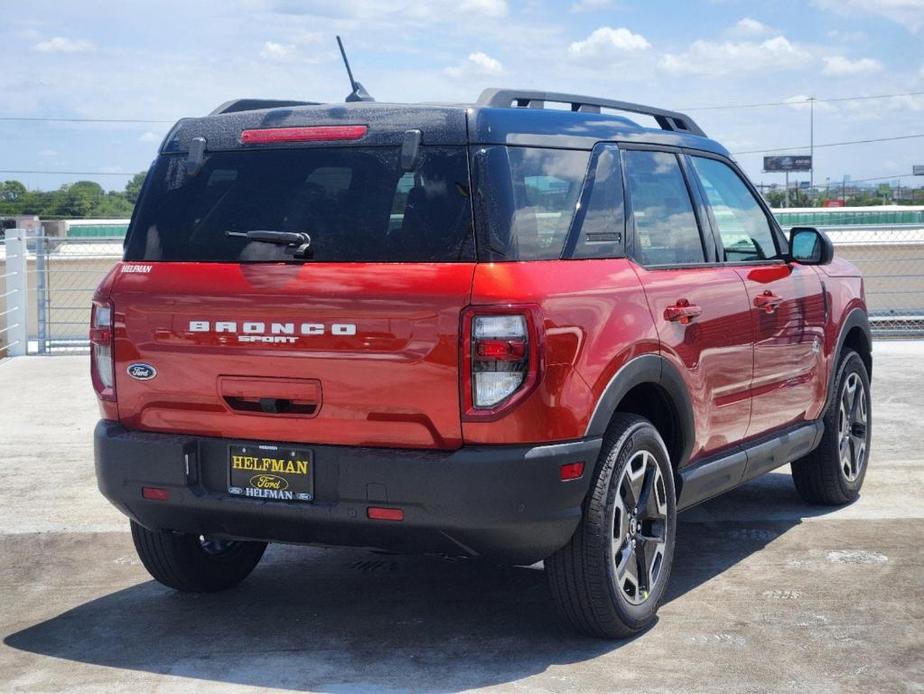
(564, 329)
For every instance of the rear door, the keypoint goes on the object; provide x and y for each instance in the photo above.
(700, 307)
(786, 300)
(357, 344)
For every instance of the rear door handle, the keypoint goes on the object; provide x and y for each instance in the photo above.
(768, 301)
(682, 312)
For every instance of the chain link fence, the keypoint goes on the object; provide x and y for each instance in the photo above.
(46, 285)
(891, 259)
(62, 273)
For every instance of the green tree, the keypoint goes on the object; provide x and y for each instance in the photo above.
(12, 191)
(81, 198)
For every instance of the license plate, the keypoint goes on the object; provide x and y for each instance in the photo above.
(275, 473)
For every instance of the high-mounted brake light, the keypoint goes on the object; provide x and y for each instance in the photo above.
(500, 359)
(102, 369)
(313, 133)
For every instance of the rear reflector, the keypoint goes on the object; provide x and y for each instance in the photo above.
(389, 514)
(571, 471)
(314, 133)
(155, 493)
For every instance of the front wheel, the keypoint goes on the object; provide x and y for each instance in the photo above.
(195, 563)
(610, 578)
(833, 473)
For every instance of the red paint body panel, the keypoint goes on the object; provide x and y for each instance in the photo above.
(789, 377)
(713, 352)
(394, 383)
(595, 319)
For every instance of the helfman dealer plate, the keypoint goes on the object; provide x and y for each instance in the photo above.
(271, 472)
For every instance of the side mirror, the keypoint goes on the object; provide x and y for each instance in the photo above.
(810, 246)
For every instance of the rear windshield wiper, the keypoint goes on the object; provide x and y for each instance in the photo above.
(298, 241)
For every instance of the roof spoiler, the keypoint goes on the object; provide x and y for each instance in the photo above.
(236, 105)
(518, 98)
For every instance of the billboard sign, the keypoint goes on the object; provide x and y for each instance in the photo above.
(918, 169)
(801, 162)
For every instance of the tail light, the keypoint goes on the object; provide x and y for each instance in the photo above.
(500, 359)
(102, 368)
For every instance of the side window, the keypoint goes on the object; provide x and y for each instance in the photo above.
(745, 231)
(666, 232)
(603, 223)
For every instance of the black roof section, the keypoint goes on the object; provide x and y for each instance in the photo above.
(515, 98)
(501, 116)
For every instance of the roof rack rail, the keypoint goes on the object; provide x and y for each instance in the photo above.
(519, 98)
(236, 105)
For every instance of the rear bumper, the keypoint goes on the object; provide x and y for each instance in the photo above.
(502, 502)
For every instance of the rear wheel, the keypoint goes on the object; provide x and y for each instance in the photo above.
(610, 578)
(833, 473)
(195, 563)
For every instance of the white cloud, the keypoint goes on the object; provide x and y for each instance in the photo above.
(749, 27)
(488, 8)
(280, 52)
(607, 43)
(60, 44)
(149, 137)
(839, 66)
(48, 153)
(476, 65)
(591, 5)
(909, 13)
(714, 59)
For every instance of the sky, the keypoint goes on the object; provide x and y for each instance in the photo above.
(159, 61)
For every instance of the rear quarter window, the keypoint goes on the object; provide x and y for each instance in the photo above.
(525, 200)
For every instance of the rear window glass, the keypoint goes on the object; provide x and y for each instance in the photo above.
(526, 199)
(355, 203)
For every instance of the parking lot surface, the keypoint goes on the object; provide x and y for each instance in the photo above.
(767, 594)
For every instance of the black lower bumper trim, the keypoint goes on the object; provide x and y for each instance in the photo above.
(503, 502)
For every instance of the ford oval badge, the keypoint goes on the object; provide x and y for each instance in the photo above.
(142, 372)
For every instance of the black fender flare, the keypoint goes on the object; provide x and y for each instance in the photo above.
(647, 368)
(856, 318)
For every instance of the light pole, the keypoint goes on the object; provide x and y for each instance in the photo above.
(812, 141)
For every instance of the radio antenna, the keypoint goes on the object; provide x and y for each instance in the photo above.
(359, 92)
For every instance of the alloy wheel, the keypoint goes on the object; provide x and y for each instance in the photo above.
(639, 527)
(852, 425)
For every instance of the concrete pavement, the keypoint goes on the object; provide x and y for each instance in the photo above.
(767, 594)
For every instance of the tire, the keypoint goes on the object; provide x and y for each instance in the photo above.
(591, 577)
(833, 473)
(194, 563)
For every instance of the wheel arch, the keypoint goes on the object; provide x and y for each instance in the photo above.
(854, 334)
(651, 387)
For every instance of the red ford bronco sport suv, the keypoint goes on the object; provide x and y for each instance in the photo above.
(497, 330)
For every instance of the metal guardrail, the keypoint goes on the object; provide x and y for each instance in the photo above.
(47, 284)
